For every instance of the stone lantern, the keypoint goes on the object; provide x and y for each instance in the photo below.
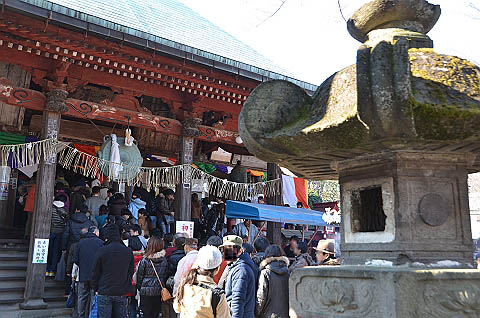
(399, 129)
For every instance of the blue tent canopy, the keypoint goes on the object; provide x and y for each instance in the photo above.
(273, 213)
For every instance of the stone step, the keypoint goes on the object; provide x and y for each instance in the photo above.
(7, 233)
(10, 242)
(11, 262)
(13, 269)
(20, 283)
(6, 274)
(54, 309)
(16, 297)
(12, 277)
(13, 257)
(49, 312)
(13, 248)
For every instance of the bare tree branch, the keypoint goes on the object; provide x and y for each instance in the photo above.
(283, 2)
(341, 12)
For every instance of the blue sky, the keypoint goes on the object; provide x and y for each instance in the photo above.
(309, 37)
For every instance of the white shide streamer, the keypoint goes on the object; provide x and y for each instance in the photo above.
(28, 154)
(92, 167)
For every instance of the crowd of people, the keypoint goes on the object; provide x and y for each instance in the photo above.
(123, 252)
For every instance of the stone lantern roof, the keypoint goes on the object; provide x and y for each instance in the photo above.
(401, 94)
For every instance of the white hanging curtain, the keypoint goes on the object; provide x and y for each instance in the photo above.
(115, 163)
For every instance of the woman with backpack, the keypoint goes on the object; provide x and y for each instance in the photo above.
(151, 277)
(198, 296)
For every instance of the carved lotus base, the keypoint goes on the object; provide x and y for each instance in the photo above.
(379, 292)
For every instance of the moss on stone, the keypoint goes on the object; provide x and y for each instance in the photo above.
(451, 71)
(444, 122)
(304, 112)
(347, 135)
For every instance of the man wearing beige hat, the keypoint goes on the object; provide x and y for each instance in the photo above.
(241, 283)
(325, 252)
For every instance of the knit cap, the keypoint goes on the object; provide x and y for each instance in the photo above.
(209, 257)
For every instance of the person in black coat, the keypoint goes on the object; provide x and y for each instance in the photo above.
(151, 269)
(79, 195)
(112, 274)
(176, 256)
(116, 204)
(135, 241)
(74, 226)
(165, 207)
(214, 219)
(83, 256)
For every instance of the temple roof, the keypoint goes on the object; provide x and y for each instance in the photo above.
(167, 26)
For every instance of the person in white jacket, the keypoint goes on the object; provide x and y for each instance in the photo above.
(185, 264)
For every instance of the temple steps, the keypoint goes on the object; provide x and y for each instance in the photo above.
(13, 270)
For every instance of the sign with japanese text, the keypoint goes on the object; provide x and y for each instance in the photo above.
(40, 251)
(184, 227)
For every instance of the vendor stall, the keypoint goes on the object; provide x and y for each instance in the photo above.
(273, 213)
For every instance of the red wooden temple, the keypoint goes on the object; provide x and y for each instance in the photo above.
(155, 66)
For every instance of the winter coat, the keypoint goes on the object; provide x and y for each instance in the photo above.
(301, 261)
(62, 193)
(101, 220)
(84, 255)
(73, 229)
(196, 212)
(164, 206)
(135, 205)
(78, 197)
(330, 262)
(288, 251)
(258, 258)
(69, 258)
(183, 267)
(93, 204)
(241, 230)
(255, 269)
(30, 202)
(146, 224)
(136, 244)
(197, 300)
(240, 289)
(147, 281)
(173, 261)
(122, 223)
(116, 206)
(215, 218)
(59, 215)
(272, 292)
(113, 270)
(219, 275)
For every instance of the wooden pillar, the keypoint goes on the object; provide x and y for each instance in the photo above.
(183, 193)
(35, 281)
(274, 229)
(11, 118)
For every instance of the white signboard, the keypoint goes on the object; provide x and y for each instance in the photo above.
(185, 227)
(40, 251)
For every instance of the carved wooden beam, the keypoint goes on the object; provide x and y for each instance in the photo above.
(87, 110)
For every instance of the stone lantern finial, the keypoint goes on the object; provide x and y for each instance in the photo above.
(390, 20)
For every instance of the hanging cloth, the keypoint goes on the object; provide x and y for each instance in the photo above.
(115, 162)
(128, 138)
